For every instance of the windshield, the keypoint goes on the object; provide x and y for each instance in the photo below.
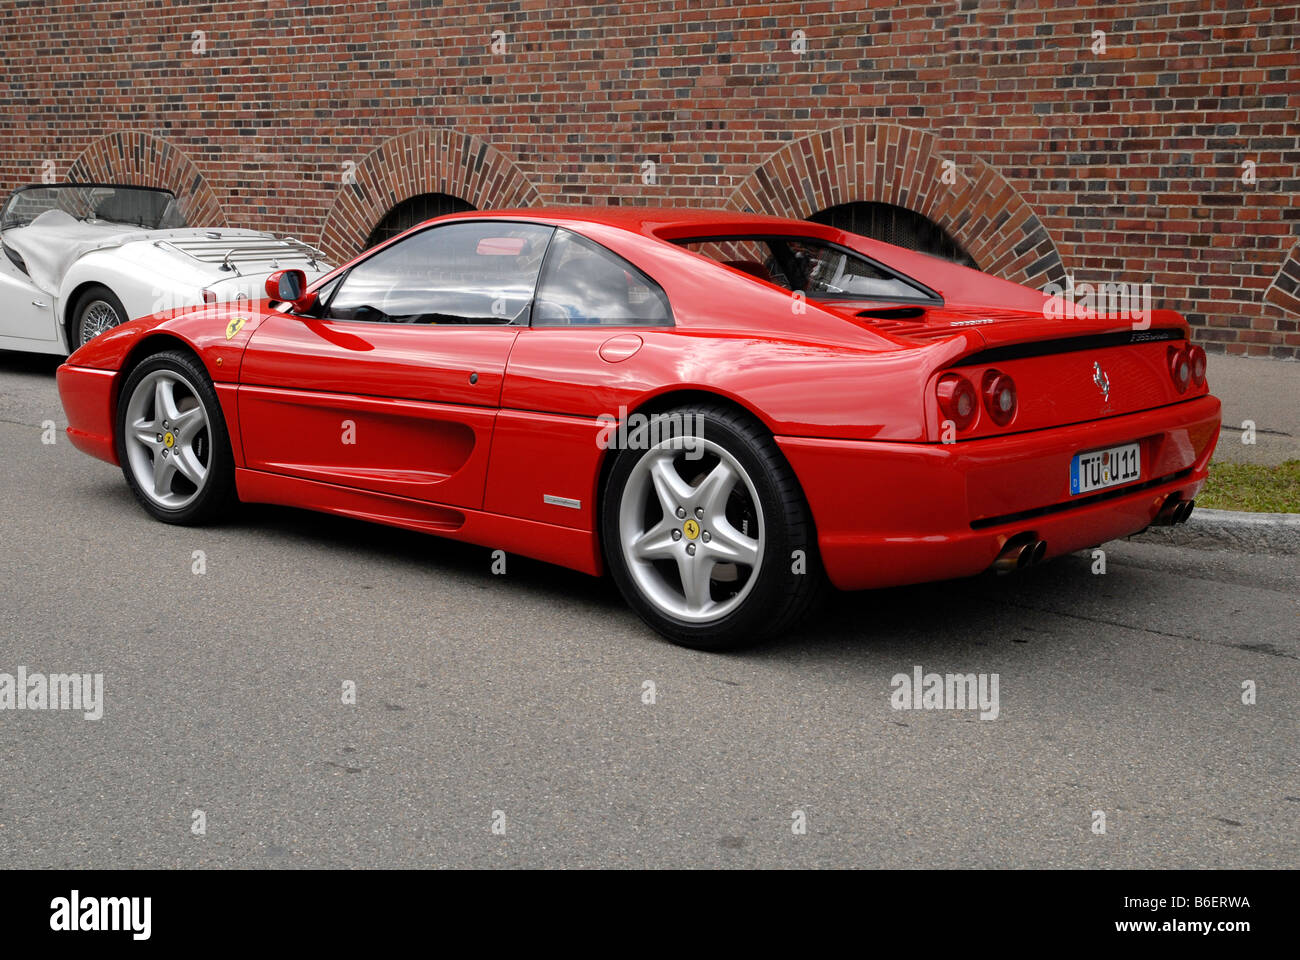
(94, 203)
(815, 267)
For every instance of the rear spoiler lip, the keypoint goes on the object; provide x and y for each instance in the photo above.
(1071, 344)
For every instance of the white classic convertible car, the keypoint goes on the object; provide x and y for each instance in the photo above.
(82, 257)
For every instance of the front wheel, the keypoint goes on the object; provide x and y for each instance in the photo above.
(706, 530)
(172, 440)
(97, 310)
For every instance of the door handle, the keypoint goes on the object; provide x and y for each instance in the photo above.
(39, 303)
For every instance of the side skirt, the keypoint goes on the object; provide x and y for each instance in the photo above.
(563, 546)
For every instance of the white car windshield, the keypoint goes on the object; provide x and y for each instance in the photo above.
(94, 203)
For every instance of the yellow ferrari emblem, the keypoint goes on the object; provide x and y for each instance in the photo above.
(234, 326)
(691, 529)
(169, 439)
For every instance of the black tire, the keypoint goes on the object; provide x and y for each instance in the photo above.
(217, 494)
(780, 596)
(89, 297)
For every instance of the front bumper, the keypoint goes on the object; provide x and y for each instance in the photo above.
(897, 513)
(90, 400)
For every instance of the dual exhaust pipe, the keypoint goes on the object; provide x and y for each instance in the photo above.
(1026, 550)
(1020, 552)
(1173, 510)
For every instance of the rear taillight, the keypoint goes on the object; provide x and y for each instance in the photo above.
(1196, 356)
(1180, 368)
(999, 397)
(957, 399)
(209, 296)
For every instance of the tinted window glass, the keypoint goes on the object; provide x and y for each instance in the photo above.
(325, 291)
(747, 255)
(816, 268)
(585, 284)
(477, 272)
(821, 270)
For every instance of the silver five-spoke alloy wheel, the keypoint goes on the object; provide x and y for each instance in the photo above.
(168, 439)
(97, 317)
(693, 547)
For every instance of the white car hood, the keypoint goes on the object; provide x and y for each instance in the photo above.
(54, 241)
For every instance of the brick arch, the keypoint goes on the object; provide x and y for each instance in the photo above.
(1284, 291)
(899, 165)
(134, 157)
(424, 160)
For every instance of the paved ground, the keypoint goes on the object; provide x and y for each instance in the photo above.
(1118, 692)
(1265, 392)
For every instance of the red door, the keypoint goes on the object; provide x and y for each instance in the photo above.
(395, 387)
(385, 408)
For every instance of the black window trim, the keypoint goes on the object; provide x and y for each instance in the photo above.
(517, 322)
(631, 324)
(931, 297)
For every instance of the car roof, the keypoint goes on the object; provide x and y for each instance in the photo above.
(664, 223)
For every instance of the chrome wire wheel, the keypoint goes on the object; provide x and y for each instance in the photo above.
(691, 530)
(168, 439)
(96, 317)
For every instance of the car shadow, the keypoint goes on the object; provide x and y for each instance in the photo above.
(947, 619)
(944, 617)
(14, 361)
(435, 555)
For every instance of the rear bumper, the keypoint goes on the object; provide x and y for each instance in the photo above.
(90, 400)
(897, 513)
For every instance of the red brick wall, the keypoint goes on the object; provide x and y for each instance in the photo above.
(1123, 166)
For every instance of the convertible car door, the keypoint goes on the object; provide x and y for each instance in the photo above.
(26, 312)
(395, 387)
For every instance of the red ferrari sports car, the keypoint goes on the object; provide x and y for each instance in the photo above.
(722, 410)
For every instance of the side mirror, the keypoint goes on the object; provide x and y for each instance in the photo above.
(290, 286)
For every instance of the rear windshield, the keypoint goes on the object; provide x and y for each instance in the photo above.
(817, 268)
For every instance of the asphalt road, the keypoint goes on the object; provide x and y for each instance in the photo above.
(522, 693)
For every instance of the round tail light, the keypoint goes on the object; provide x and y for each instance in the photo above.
(999, 397)
(957, 399)
(1196, 356)
(1180, 368)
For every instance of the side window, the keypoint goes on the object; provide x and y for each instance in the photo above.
(747, 255)
(326, 291)
(816, 268)
(822, 270)
(585, 284)
(477, 272)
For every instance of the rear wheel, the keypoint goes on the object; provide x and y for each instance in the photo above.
(97, 310)
(710, 541)
(172, 440)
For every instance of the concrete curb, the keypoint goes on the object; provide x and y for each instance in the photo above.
(1235, 529)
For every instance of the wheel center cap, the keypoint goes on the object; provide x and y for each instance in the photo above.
(691, 529)
(169, 439)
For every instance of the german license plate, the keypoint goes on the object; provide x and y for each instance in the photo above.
(1099, 469)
